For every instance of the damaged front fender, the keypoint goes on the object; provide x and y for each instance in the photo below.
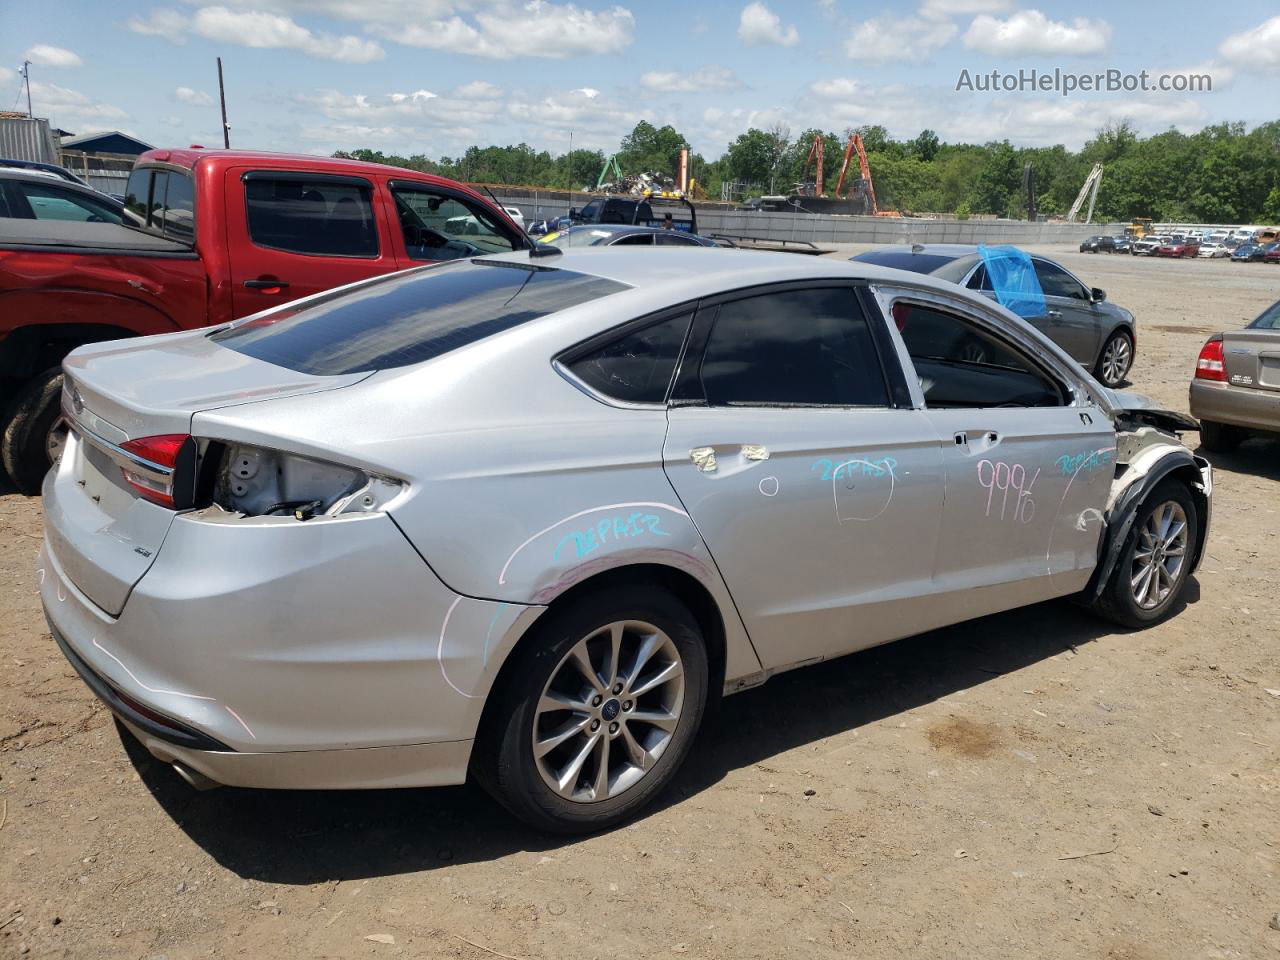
(1145, 456)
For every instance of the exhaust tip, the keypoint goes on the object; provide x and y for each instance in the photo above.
(194, 778)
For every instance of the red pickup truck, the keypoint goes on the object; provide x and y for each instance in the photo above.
(215, 235)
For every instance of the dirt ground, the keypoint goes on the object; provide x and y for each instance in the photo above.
(1029, 785)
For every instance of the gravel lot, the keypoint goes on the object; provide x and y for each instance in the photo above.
(1032, 784)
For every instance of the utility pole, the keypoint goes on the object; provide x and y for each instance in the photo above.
(26, 75)
(570, 160)
(222, 98)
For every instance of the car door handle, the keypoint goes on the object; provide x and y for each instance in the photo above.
(976, 441)
(1055, 314)
(265, 284)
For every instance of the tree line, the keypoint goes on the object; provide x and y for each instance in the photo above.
(1224, 173)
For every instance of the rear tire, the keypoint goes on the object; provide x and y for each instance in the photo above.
(27, 426)
(525, 709)
(1219, 437)
(1156, 557)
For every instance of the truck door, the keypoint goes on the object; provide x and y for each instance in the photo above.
(292, 234)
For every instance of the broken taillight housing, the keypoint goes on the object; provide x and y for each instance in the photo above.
(261, 482)
(154, 475)
(1210, 364)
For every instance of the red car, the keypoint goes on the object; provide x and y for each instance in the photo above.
(215, 235)
(1179, 248)
(1271, 254)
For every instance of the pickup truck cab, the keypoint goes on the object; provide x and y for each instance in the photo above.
(209, 236)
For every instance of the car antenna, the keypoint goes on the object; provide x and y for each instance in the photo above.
(544, 250)
(917, 248)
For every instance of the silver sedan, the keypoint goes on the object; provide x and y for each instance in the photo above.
(522, 517)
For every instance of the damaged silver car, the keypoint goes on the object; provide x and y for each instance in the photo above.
(523, 517)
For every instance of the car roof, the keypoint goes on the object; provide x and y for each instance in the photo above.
(673, 275)
(47, 177)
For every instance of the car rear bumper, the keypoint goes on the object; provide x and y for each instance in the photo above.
(1244, 407)
(300, 655)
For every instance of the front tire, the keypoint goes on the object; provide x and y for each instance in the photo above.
(30, 442)
(1155, 560)
(1115, 360)
(597, 713)
(1219, 437)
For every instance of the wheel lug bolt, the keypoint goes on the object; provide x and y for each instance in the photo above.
(613, 727)
(617, 688)
(596, 700)
(595, 725)
(627, 705)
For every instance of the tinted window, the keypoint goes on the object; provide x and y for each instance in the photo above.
(805, 347)
(175, 212)
(961, 365)
(634, 240)
(1056, 282)
(671, 238)
(54, 203)
(137, 194)
(636, 367)
(411, 317)
(905, 260)
(319, 218)
(438, 227)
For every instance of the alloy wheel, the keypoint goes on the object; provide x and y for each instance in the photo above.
(55, 441)
(1115, 360)
(609, 711)
(1159, 556)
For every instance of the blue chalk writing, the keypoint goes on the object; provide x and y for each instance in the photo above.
(1089, 461)
(864, 468)
(616, 528)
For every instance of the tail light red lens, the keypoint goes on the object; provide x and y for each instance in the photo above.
(153, 476)
(1210, 365)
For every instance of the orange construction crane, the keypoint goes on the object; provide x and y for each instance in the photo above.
(855, 145)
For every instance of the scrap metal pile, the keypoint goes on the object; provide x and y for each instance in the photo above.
(636, 184)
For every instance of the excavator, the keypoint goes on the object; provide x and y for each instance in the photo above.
(868, 188)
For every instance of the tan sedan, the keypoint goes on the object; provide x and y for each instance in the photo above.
(1236, 388)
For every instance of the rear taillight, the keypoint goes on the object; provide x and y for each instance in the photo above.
(153, 474)
(1210, 365)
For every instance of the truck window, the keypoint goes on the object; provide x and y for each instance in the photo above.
(137, 194)
(318, 217)
(439, 227)
(162, 201)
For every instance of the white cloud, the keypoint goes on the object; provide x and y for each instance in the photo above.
(47, 56)
(197, 98)
(912, 39)
(589, 92)
(534, 29)
(706, 78)
(939, 9)
(1257, 49)
(70, 108)
(417, 96)
(1030, 32)
(837, 88)
(759, 25)
(169, 24)
(273, 31)
(478, 90)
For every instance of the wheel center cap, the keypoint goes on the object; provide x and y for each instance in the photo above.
(610, 710)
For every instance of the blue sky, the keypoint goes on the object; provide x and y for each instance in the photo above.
(433, 76)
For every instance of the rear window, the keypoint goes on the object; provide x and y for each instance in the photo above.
(409, 318)
(905, 260)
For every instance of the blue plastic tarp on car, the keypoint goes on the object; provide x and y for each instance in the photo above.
(1013, 279)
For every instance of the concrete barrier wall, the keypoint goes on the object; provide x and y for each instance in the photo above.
(826, 229)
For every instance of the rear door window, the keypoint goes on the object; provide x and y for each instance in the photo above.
(793, 348)
(54, 203)
(411, 317)
(637, 366)
(324, 217)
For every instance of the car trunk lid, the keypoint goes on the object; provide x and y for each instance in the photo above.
(103, 533)
(1252, 358)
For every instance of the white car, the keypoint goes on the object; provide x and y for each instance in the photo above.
(1212, 250)
(515, 214)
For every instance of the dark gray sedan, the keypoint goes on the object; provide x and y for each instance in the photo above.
(1100, 335)
(1236, 388)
